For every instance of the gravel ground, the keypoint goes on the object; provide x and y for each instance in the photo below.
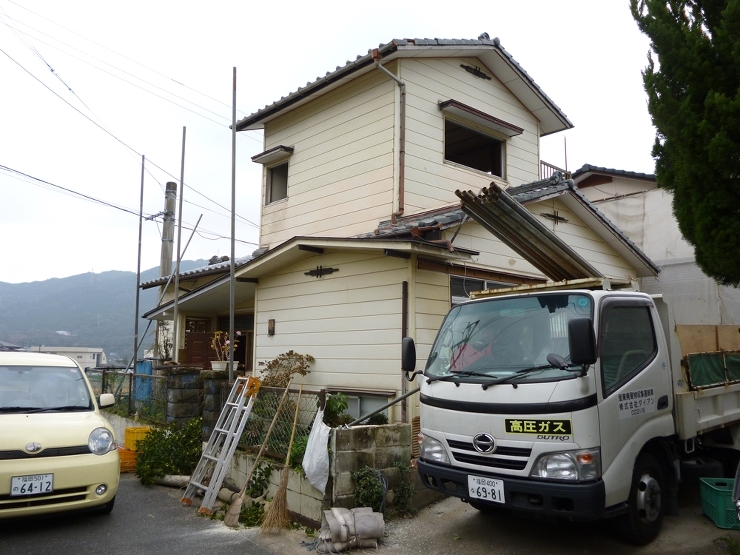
(451, 526)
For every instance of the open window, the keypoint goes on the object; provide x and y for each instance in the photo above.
(473, 149)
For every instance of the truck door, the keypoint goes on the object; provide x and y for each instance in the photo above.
(635, 379)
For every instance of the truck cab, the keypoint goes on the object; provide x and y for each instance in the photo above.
(553, 402)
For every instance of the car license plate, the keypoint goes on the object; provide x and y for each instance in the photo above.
(486, 489)
(31, 485)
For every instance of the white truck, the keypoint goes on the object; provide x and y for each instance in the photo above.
(571, 400)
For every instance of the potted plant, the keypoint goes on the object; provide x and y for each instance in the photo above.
(220, 344)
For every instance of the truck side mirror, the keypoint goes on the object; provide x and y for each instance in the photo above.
(408, 357)
(581, 341)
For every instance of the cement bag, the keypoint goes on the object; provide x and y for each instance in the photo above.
(316, 459)
(344, 529)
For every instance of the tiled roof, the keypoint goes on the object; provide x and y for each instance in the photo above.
(440, 219)
(450, 216)
(217, 268)
(556, 184)
(396, 45)
(586, 168)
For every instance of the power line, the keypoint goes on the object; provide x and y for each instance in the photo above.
(31, 179)
(87, 197)
(122, 56)
(121, 141)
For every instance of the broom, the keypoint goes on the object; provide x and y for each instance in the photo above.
(231, 518)
(277, 516)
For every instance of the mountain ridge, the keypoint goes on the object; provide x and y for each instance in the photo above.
(96, 309)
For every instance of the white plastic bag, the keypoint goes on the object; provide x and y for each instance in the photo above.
(316, 458)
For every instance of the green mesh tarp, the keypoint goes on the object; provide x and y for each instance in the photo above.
(707, 369)
(733, 366)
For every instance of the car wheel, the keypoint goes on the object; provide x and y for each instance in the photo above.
(644, 516)
(108, 507)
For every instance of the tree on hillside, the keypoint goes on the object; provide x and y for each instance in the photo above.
(694, 100)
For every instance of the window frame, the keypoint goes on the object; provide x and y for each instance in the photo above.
(607, 306)
(477, 130)
(269, 191)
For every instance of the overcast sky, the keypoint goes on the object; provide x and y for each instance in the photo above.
(88, 87)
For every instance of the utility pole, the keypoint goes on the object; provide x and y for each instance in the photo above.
(168, 241)
(175, 327)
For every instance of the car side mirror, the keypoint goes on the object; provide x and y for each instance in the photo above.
(408, 358)
(582, 342)
(106, 400)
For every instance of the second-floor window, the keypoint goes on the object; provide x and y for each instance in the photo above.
(474, 149)
(277, 182)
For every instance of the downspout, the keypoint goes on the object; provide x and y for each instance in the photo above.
(402, 135)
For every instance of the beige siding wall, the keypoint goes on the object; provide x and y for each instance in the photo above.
(350, 321)
(619, 186)
(431, 182)
(340, 177)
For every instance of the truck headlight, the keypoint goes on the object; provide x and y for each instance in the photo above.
(576, 466)
(101, 441)
(432, 450)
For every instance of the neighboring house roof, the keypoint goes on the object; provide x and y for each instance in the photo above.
(489, 51)
(555, 186)
(196, 273)
(588, 168)
(216, 292)
(586, 211)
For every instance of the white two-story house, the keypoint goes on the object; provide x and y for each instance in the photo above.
(375, 219)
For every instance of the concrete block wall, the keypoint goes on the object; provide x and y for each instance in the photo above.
(304, 501)
(378, 447)
(184, 393)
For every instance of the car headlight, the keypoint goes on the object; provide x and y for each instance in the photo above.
(575, 466)
(101, 441)
(432, 450)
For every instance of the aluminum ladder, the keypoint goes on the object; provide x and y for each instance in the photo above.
(214, 462)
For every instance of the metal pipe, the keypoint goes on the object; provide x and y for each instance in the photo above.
(401, 137)
(396, 400)
(404, 333)
(232, 281)
(138, 269)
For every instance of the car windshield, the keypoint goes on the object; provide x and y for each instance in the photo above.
(43, 388)
(508, 336)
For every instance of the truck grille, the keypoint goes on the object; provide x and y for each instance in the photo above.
(518, 461)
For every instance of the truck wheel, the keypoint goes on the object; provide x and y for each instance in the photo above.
(644, 517)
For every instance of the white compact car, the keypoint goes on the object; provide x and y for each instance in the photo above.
(57, 453)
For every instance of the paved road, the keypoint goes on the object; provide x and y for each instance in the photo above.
(150, 520)
(145, 521)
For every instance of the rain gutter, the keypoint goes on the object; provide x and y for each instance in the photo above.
(377, 56)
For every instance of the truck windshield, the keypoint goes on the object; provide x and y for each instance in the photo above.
(43, 388)
(499, 337)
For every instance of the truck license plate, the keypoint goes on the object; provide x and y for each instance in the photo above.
(32, 484)
(486, 489)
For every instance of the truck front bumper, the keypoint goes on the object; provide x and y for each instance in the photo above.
(558, 499)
